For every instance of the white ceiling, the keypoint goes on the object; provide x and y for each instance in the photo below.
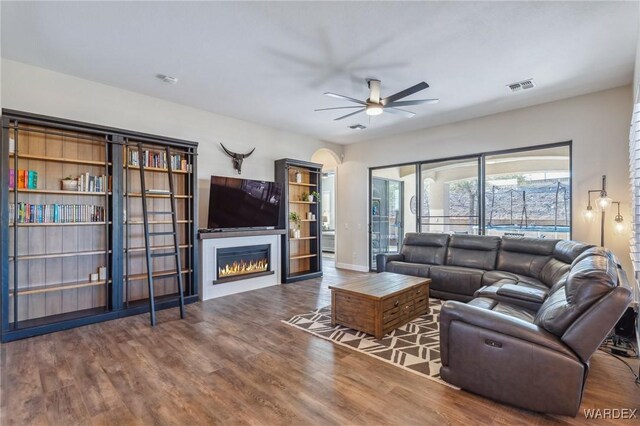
(270, 62)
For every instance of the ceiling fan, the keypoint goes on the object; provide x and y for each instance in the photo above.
(375, 105)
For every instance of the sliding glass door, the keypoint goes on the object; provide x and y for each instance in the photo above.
(391, 189)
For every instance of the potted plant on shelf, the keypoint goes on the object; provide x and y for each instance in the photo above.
(69, 184)
(304, 197)
(294, 224)
(314, 196)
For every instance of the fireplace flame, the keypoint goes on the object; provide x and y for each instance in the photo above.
(243, 267)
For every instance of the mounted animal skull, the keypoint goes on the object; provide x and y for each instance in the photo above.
(237, 158)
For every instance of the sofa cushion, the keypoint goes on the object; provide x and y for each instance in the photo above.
(593, 274)
(567, 250)
(492, 277)
(456, 279)
(525, 256)
(503, 308)
(407, 268)
(553, 271)
(517, 293)
(473, 251)
(425, 248)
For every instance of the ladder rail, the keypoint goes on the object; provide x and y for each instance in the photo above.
(145, 217)
(176, 249)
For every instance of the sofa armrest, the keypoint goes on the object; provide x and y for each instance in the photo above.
(500, 323)
(520, 292)
(383, 258)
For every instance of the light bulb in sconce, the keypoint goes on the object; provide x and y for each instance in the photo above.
(620, 226)
(604, 202)
(589, 214)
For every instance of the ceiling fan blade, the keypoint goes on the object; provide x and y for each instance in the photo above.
(399, 111)
(404, 93)
(346, 98)
(349, 115)
(416, 102)
(345, 107)
(374, 91)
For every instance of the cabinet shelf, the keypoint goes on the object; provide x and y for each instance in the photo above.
(20, 225)
(141, 249)
(157, 222)
(139, 195)
(160, 274)
(302, 256)
(302, 202)
(60, 192)
(303, 184)
(57, 287)
(302, 238)
(156, 169)
(59, 255)
(60, 159)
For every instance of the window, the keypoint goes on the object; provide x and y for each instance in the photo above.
(525, 192)
(528, 193)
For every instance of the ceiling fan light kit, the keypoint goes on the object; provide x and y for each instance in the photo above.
(375, 105)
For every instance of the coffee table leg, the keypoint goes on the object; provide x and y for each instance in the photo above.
(333, 308)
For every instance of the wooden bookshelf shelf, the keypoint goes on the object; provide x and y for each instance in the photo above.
(302, 202)
(303, 256)
(160, 274)
(141, 249)
(138, 195)
(20, 225)
(157, 169)
(60, 192)
(302, 239)
(308, 220)
(57, 287)
(60, 255)
(157, 222)
(60, 160)
(311, 185)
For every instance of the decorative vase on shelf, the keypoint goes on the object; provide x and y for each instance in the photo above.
(311, 199)
(298, 177)
(296, 233)
(69, 184)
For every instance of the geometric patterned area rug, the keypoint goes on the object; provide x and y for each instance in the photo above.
(415, 346)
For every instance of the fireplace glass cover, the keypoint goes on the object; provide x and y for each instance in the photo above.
(241, 262)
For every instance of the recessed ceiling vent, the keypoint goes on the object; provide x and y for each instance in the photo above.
(167, 79)
(357, 127)
(521, 85)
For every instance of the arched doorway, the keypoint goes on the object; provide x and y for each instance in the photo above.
(330, 161)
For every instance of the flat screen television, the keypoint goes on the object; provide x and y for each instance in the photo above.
(243, 203)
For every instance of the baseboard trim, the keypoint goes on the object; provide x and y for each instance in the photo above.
(358, 268)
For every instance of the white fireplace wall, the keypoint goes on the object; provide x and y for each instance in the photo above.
(208, 255)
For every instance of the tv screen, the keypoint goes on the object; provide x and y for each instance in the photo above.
(243, 203)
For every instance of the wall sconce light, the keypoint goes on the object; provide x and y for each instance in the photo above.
(620, 226)
(603, 202)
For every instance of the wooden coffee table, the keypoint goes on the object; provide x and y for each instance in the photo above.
(379, 303)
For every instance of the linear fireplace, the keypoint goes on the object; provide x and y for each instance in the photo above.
(239, 263)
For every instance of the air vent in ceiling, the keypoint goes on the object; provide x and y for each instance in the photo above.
(167, 79)
(357, 127)
(521, 85)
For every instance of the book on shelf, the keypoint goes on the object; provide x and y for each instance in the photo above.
(55, 213)
(93, 183)
(26, 179)
(157, 160)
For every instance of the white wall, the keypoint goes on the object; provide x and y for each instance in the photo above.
(37, 90)
(597, 123)
(636, 75)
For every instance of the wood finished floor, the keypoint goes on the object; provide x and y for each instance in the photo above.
(232, 361)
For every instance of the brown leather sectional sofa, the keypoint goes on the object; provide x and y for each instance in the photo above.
(535, 312)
